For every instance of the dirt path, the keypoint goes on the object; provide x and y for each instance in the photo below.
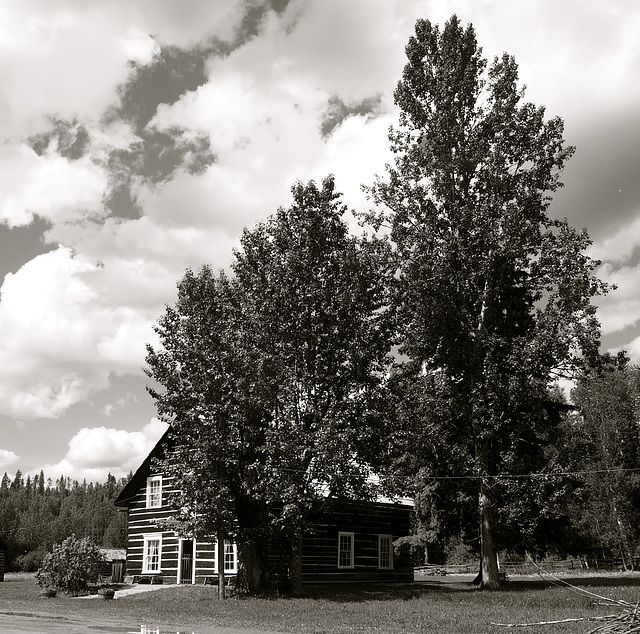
(22, 623)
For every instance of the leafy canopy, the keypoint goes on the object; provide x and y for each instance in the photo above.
(272, 376)
(492, 294)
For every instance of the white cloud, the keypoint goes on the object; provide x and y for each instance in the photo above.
(138, 46)
(633, 350)
(7, 457)
(51, 186)
(120, 403)
(342, 52)
(620, 245)
(67, 58)
(66, 337)
(621, 307)
(95, 452)
(263, 106)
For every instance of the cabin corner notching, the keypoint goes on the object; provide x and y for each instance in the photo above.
(349, 542)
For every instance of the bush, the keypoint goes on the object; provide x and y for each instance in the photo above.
(71, 566)
(29, 561)
(459, 552)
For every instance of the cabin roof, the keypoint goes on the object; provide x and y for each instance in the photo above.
(140, 476)
(114, 554)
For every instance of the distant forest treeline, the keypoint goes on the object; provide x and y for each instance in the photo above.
(36, 513)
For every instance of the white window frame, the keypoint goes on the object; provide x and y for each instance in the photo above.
(350, 551)
(146, 555)
(231, 552)
(154, 500)
(388, 539)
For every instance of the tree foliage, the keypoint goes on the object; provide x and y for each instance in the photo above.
(272, 378)
(36, 513)
(493, 294)
(71, 566)
(603, 448)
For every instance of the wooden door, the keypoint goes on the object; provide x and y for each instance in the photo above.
(186, 562)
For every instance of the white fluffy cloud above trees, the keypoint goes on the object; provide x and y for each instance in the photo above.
(96, 452)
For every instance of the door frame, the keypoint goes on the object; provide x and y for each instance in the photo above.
(181, 542)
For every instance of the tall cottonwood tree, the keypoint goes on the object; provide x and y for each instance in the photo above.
(272, 378)
(492, 293)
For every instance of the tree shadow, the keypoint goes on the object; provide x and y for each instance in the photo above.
(355, 593)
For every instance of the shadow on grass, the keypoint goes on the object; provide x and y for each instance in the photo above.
(383, 591)
(547, 581)
(405, 591)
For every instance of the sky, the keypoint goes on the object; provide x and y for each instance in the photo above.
(138, 139)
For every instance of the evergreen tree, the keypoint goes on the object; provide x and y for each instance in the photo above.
(603, 442)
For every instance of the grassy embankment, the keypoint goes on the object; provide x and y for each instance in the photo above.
(446, 605)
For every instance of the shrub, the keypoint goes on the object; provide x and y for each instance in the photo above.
(459, 552)
(29, 561)
(71, 566)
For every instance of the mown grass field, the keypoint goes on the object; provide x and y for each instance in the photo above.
(447, 605)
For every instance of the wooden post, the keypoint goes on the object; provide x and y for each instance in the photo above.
(220, 557)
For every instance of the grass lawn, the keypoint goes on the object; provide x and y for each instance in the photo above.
(446, 605)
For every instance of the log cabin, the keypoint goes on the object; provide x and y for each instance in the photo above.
(351, 542)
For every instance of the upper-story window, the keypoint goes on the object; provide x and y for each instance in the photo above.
(385, 551)
(154, 492)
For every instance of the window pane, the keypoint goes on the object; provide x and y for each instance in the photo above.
(384, 553)
(154, 493)
(229, 557)
(153, 555)
(345, 550)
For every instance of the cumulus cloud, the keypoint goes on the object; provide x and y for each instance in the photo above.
(50, 186)
(72, 55)
(264, 107)
(7, 457)
(95, 452)
(620, 309)
(66, 338)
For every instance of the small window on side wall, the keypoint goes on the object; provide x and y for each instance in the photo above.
(345, 550)
(154, 492)
(385, 551)
(230, 558)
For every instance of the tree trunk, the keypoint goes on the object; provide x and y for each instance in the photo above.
(295, 567)
(253, 573)
(220, 558)
(490, 575)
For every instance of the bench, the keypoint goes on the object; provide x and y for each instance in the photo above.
(148, 579)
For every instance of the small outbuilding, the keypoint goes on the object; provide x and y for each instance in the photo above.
(115, 564)
(3, 558)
